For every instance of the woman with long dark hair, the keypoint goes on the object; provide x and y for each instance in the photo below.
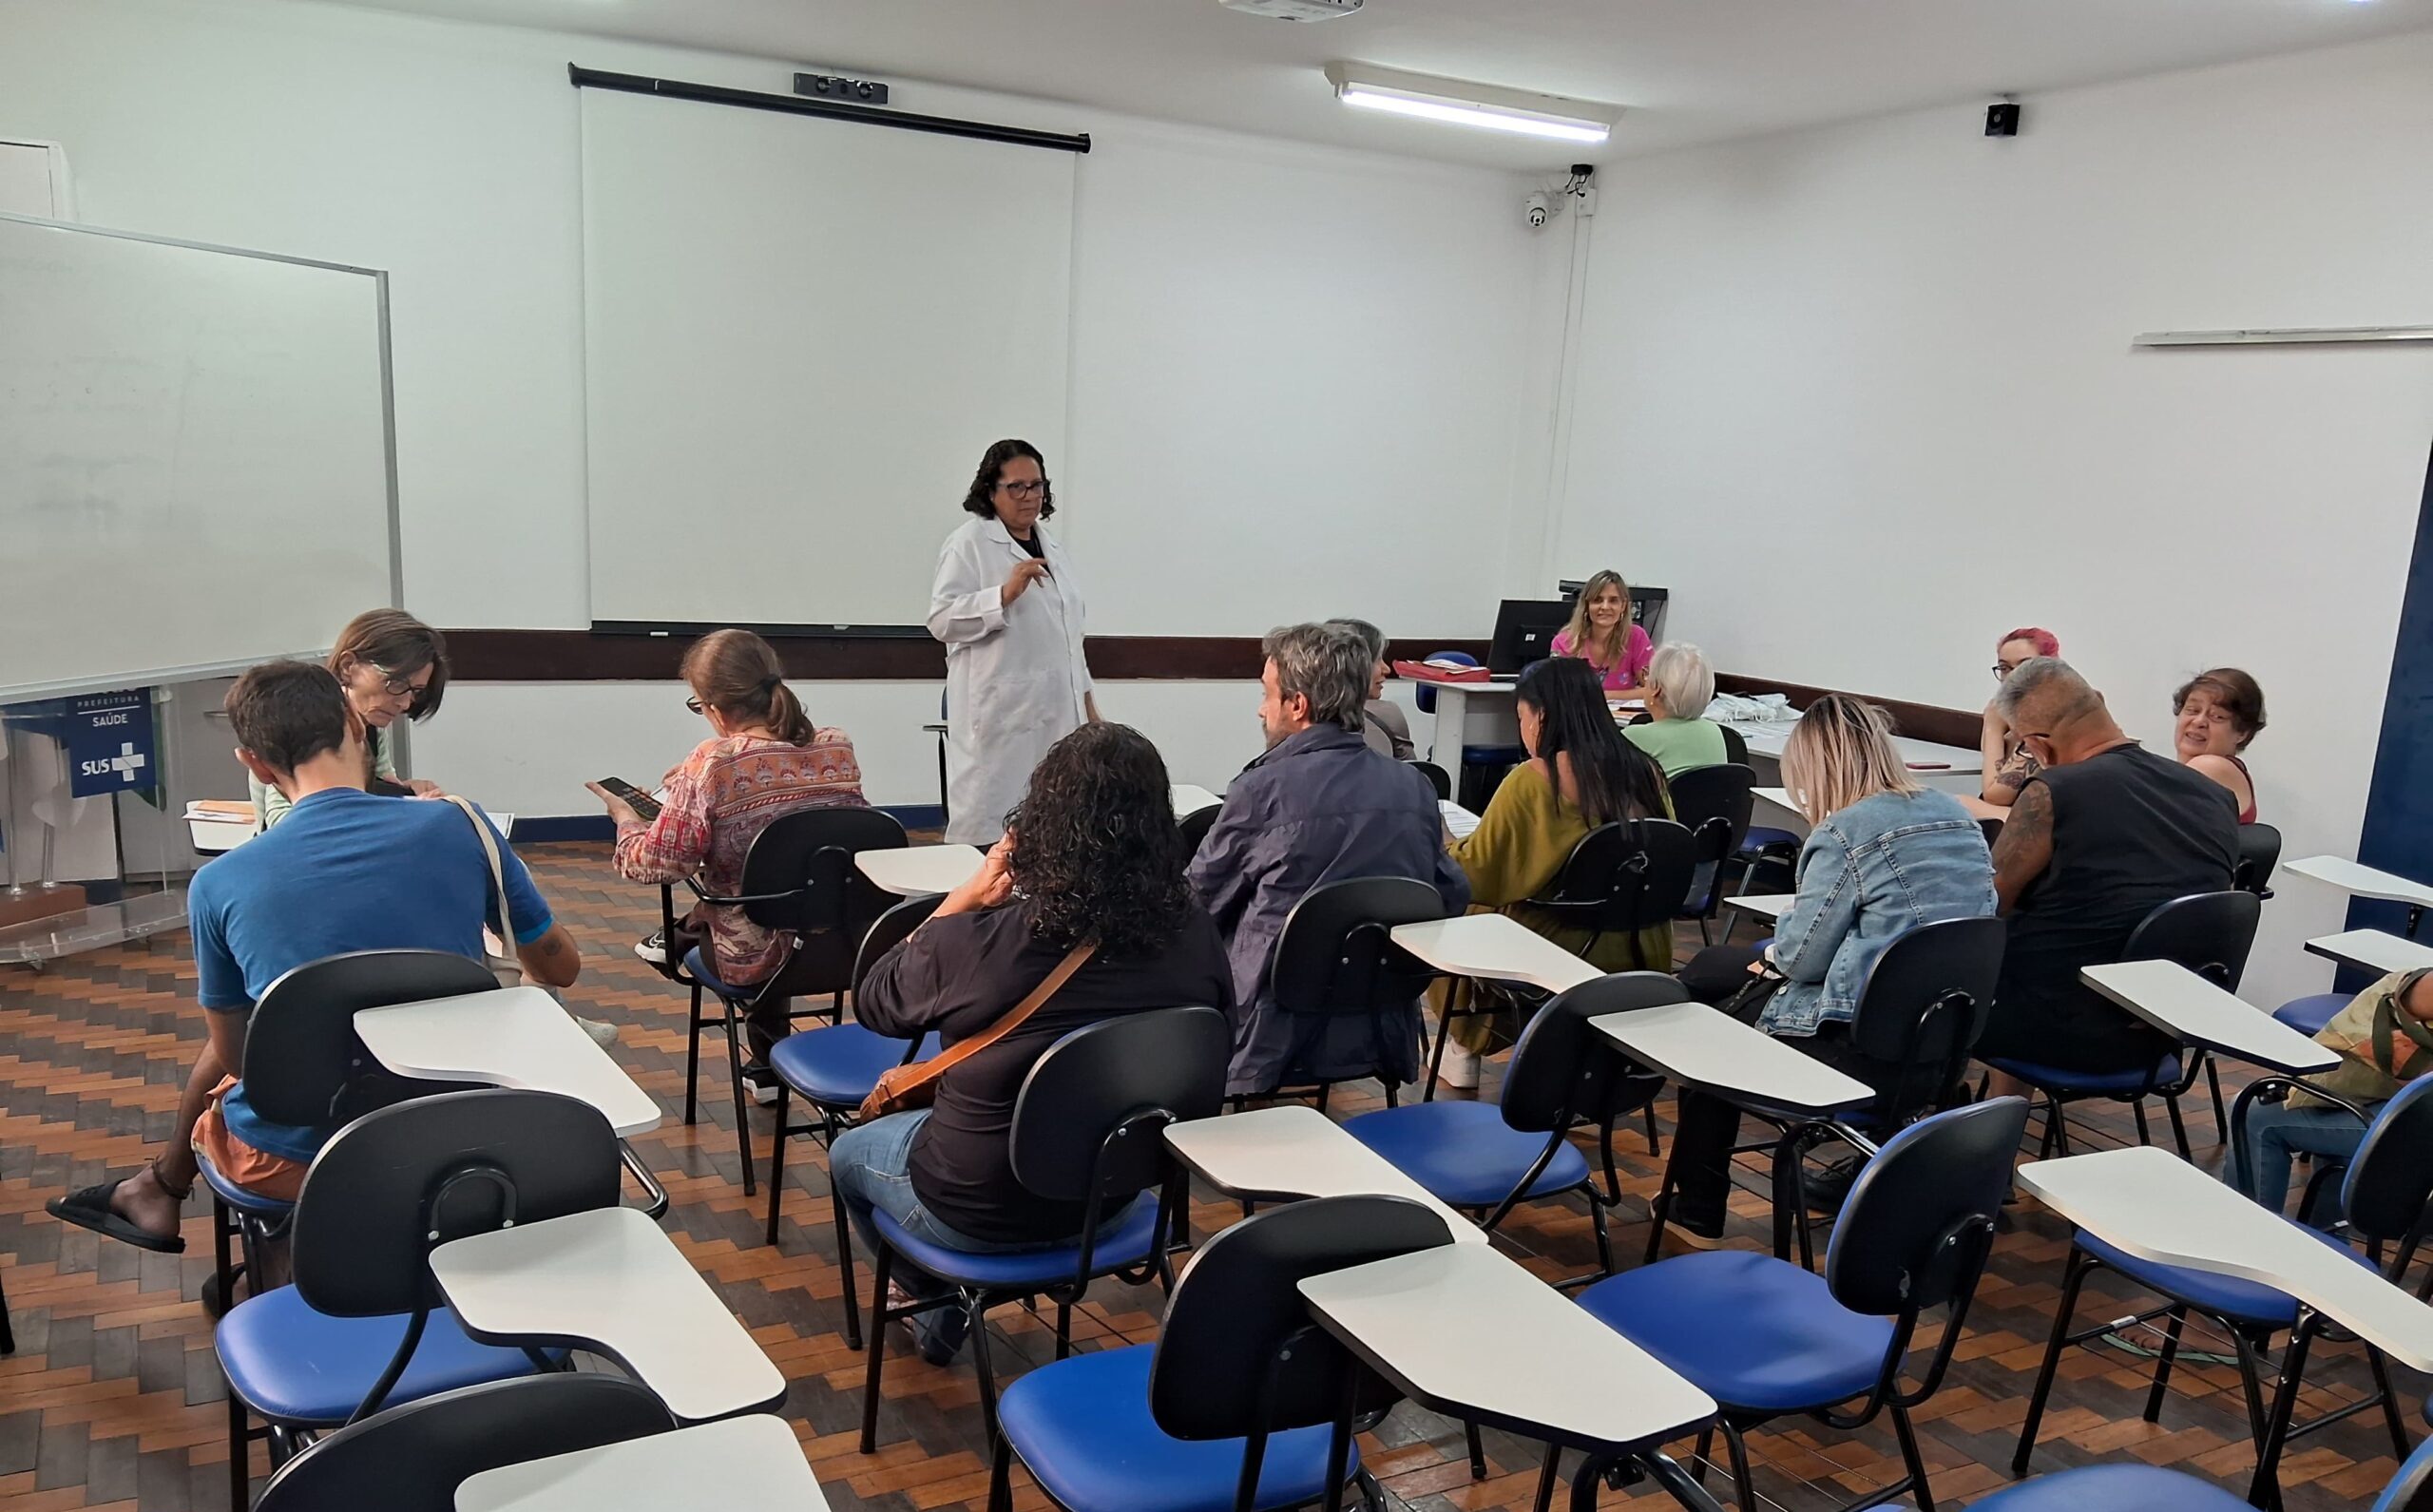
(1091, 865)
(1582, 773)
(1006, 606)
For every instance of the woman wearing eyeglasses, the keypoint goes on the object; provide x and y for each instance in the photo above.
(393, 667)
(1006, 606)
(764, 758)
(2008, 763)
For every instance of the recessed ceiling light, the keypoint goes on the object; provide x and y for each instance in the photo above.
(1471, 105)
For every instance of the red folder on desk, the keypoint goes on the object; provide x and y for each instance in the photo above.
(1441, 671)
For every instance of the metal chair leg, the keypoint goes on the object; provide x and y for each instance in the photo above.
(2163, 1363)
(693, 1057)
(240, 1481)
(2178, 1126)
(1744, 1486)
(734, 1080)
(2221, 1118)
(2072, 1277)
(1654, 1144)
(980, 1367)
(1906, 1433)
(1550, 1473)
(844, 1266)
(876, 1361)
(1477, 1451)
(1000, 1483)
(777, 1163)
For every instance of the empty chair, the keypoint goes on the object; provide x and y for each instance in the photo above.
(1715, 804)
(1228, 1408)
(1352, 992)
(2147, 1488)
(2259, 853)
(1767, 1339)
(411, 1458)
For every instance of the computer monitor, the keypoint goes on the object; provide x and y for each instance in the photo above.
(1524, 632)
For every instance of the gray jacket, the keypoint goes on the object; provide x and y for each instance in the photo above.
(1318, 807)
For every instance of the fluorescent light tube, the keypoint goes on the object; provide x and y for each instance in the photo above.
(1471, 105)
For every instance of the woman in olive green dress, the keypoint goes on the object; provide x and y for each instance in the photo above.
(1582, 773)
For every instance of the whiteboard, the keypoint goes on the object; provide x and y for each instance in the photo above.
(196, 457)
(800, 337)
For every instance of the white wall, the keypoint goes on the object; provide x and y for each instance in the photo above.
(1303, 377)
(1863, 399)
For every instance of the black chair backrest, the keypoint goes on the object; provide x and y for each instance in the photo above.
(1715, 804)
(2391, 1177)
(1901, 1244)
(1196, 825)
(1736, 746)
(1238, 1354)
(1923, 1005)
(2210, 934)
(1135, 1075)
(412, 1457)
(2259, 853)
(803, 865)
(450, 1165)
(1563, 1069)
(1336, 954)
(891, 929)
(302, 1056)
(1622, 877)
(1437, 778)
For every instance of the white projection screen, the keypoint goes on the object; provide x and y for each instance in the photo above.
(801, 334)
(195, 457)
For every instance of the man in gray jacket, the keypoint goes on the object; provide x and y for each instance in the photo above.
(1318, 807)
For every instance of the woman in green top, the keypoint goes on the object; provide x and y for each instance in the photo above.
(1582, 774)
(1678, 735)
(393, 667)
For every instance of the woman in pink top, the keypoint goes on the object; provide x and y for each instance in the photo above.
(1601, 634)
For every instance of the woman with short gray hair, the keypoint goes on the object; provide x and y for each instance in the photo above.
(1678, 735)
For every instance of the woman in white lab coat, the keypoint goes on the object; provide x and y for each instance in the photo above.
(1006, 604)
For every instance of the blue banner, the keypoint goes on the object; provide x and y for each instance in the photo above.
(109, 744)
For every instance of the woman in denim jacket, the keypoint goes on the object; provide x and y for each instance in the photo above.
(1886, 854)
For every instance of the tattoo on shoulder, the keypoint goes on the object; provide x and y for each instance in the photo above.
(2031, 817)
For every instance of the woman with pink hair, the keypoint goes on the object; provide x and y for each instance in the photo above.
(2008, 765)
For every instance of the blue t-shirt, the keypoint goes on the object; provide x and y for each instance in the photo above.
(343, 872)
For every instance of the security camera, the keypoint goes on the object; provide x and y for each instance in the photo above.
(1537, 208)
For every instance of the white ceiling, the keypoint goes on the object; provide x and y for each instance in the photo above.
(1687, 71)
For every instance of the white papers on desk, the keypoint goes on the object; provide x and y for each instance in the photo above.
(1459, 821)
(1766, 708)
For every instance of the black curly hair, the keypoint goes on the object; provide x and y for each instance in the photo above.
(1097, 853)
(981, 500)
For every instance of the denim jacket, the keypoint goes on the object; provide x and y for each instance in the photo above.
(1885, 864)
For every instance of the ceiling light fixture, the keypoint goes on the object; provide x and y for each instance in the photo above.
(1471, 105)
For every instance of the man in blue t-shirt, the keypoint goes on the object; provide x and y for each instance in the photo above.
(344, 871)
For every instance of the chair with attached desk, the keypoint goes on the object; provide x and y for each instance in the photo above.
(363, 1324)
(412, 1457)
(2385, 1196)
(1335, 960)
(833, 1068)
(1760, 844)
(304, 1066)
(1767, 1339)
(2259, 853)
(1714, 803)
(2210, 934)
(799, 882)
(1489, 1158)
(1230, 1407)
(1088, 1128)
(2150, 1488)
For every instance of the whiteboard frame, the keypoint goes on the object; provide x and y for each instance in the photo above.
(157, 676)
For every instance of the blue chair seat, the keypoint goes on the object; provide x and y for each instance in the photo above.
(294, 1365)
(2042, 1077)
(1122, 1242)
(1767, 837)
(1752, 1332)
(2249, 1301)
(699, 969)
(1463, 1152)
(836, 1066)
(251, 1204)
(1082, 1427)
(2113, 1488)
(1493, 756)
(2309, 1015)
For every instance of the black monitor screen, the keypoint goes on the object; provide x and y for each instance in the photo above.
(1524, 632)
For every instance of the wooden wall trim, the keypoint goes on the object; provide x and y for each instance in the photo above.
(1923, 721)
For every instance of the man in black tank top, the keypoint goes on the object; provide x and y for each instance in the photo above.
(2108, 833)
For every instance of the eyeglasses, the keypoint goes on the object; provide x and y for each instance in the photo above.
(1029, 490)
(2004, 669)
(397, 687)
(694, 705)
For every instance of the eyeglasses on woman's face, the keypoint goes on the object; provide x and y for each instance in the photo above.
(1024, 489)
(693, 704)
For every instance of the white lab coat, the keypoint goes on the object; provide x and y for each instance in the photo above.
(1015, 675)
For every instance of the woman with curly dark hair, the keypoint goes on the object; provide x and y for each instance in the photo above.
(1006, 606)
(1091, 867)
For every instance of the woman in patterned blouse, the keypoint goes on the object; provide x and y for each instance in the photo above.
(764, 758)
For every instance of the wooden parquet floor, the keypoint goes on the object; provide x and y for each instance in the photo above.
(113, 1400)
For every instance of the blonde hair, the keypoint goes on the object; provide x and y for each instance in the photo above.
(1577, 632)
(1840, 752)
(1680, 675)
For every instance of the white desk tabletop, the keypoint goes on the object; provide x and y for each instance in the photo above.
(753, 1460)
(610, 1281)
(2157, 1207)
(1715, 1052)
(1459, 822)
(2372, 950)
(1493, 947)
(1779, 797)
(1294, 1151)
(919, 870)
(1464, 1330)
(515, 1036)
(2185, 1005)
(1772, 905)
(1768, 739)
(1190, 800)
(1470, 684)
(2365, 881)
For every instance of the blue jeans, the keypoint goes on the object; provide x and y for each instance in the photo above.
(2275, 1134)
